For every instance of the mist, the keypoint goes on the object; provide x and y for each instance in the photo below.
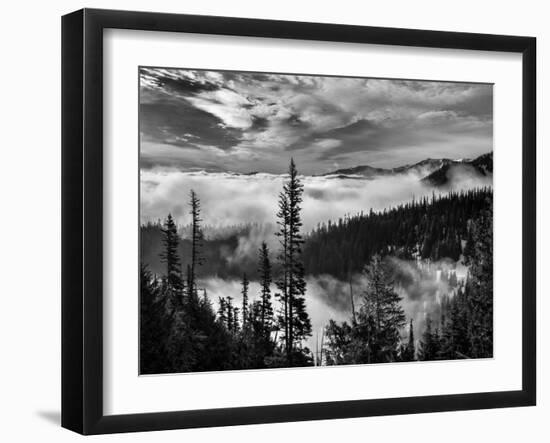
(421, 287)
(232, 199)
(247, 204)
(418, 283)
(321, 307)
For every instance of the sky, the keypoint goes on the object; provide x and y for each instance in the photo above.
(221, 121)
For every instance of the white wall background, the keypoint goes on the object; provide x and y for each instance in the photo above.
(30, 221)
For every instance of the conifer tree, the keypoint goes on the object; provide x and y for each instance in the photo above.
(282, 282)
(381, 316)
(222, 311)
(411, 337)
(266, 308)
(230, 314)
(458, 327)
(236, 325)
(421, 229)
(169, 256)
(196, 243)
(374, 336)
(295, 319)
(479, 290)
(344, 344)
(453, 280)
(430, 344)
(408, 352)
(154, 324)
(244, 293)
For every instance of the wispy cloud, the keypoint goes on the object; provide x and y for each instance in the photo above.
(229, 199)
(251, 121)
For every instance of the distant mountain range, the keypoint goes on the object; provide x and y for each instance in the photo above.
(480, 166)
(436, 172)
(433, 171)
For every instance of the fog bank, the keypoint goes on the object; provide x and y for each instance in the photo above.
(419, 284)
(231, 199)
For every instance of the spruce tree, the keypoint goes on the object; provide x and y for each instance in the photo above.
(154, 324)
(196, 243)
(342, 344)
(236, 325)
(244, 293)
(266, 308)
(430, 345)
(453, 280)
(295, 319)
(222, 311)
(479, 290)
(282, 281)
(169, 256)
(230, 314)
(409, 352)
(381, 316)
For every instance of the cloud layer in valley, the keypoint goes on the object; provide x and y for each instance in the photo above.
(420, 286)
(319, 304)
(229, 199)
(244, 122)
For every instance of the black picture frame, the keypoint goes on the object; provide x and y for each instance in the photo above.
(82, 219)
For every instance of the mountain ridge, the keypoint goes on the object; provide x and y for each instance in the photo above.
(435, 171)
(479, 166)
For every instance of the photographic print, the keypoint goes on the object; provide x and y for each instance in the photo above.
(300, 220)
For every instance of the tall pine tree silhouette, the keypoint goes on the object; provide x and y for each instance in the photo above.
(154, 325)
(244, 293)
(282, 281)
(266, 308)
(381, 314)
(169, 256)
(196, 244)
(408, 351)
(294, 319)
(430, 345)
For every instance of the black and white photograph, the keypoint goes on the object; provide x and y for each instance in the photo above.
(275, 222)
(300, 220)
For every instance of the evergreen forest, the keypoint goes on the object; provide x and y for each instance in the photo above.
(184, 329)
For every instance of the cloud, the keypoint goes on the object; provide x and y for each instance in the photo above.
(327, 298)
(226, 105)
(179, 82)
(266, 115)
(318, 302)
(231, 199)
(168, 122)
(327, 143)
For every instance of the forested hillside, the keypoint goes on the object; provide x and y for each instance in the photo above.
(462, 328)
(309, 220)
(481, 166)
(429, 228)
(434, 228)
(180, 331)
(216, 249)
